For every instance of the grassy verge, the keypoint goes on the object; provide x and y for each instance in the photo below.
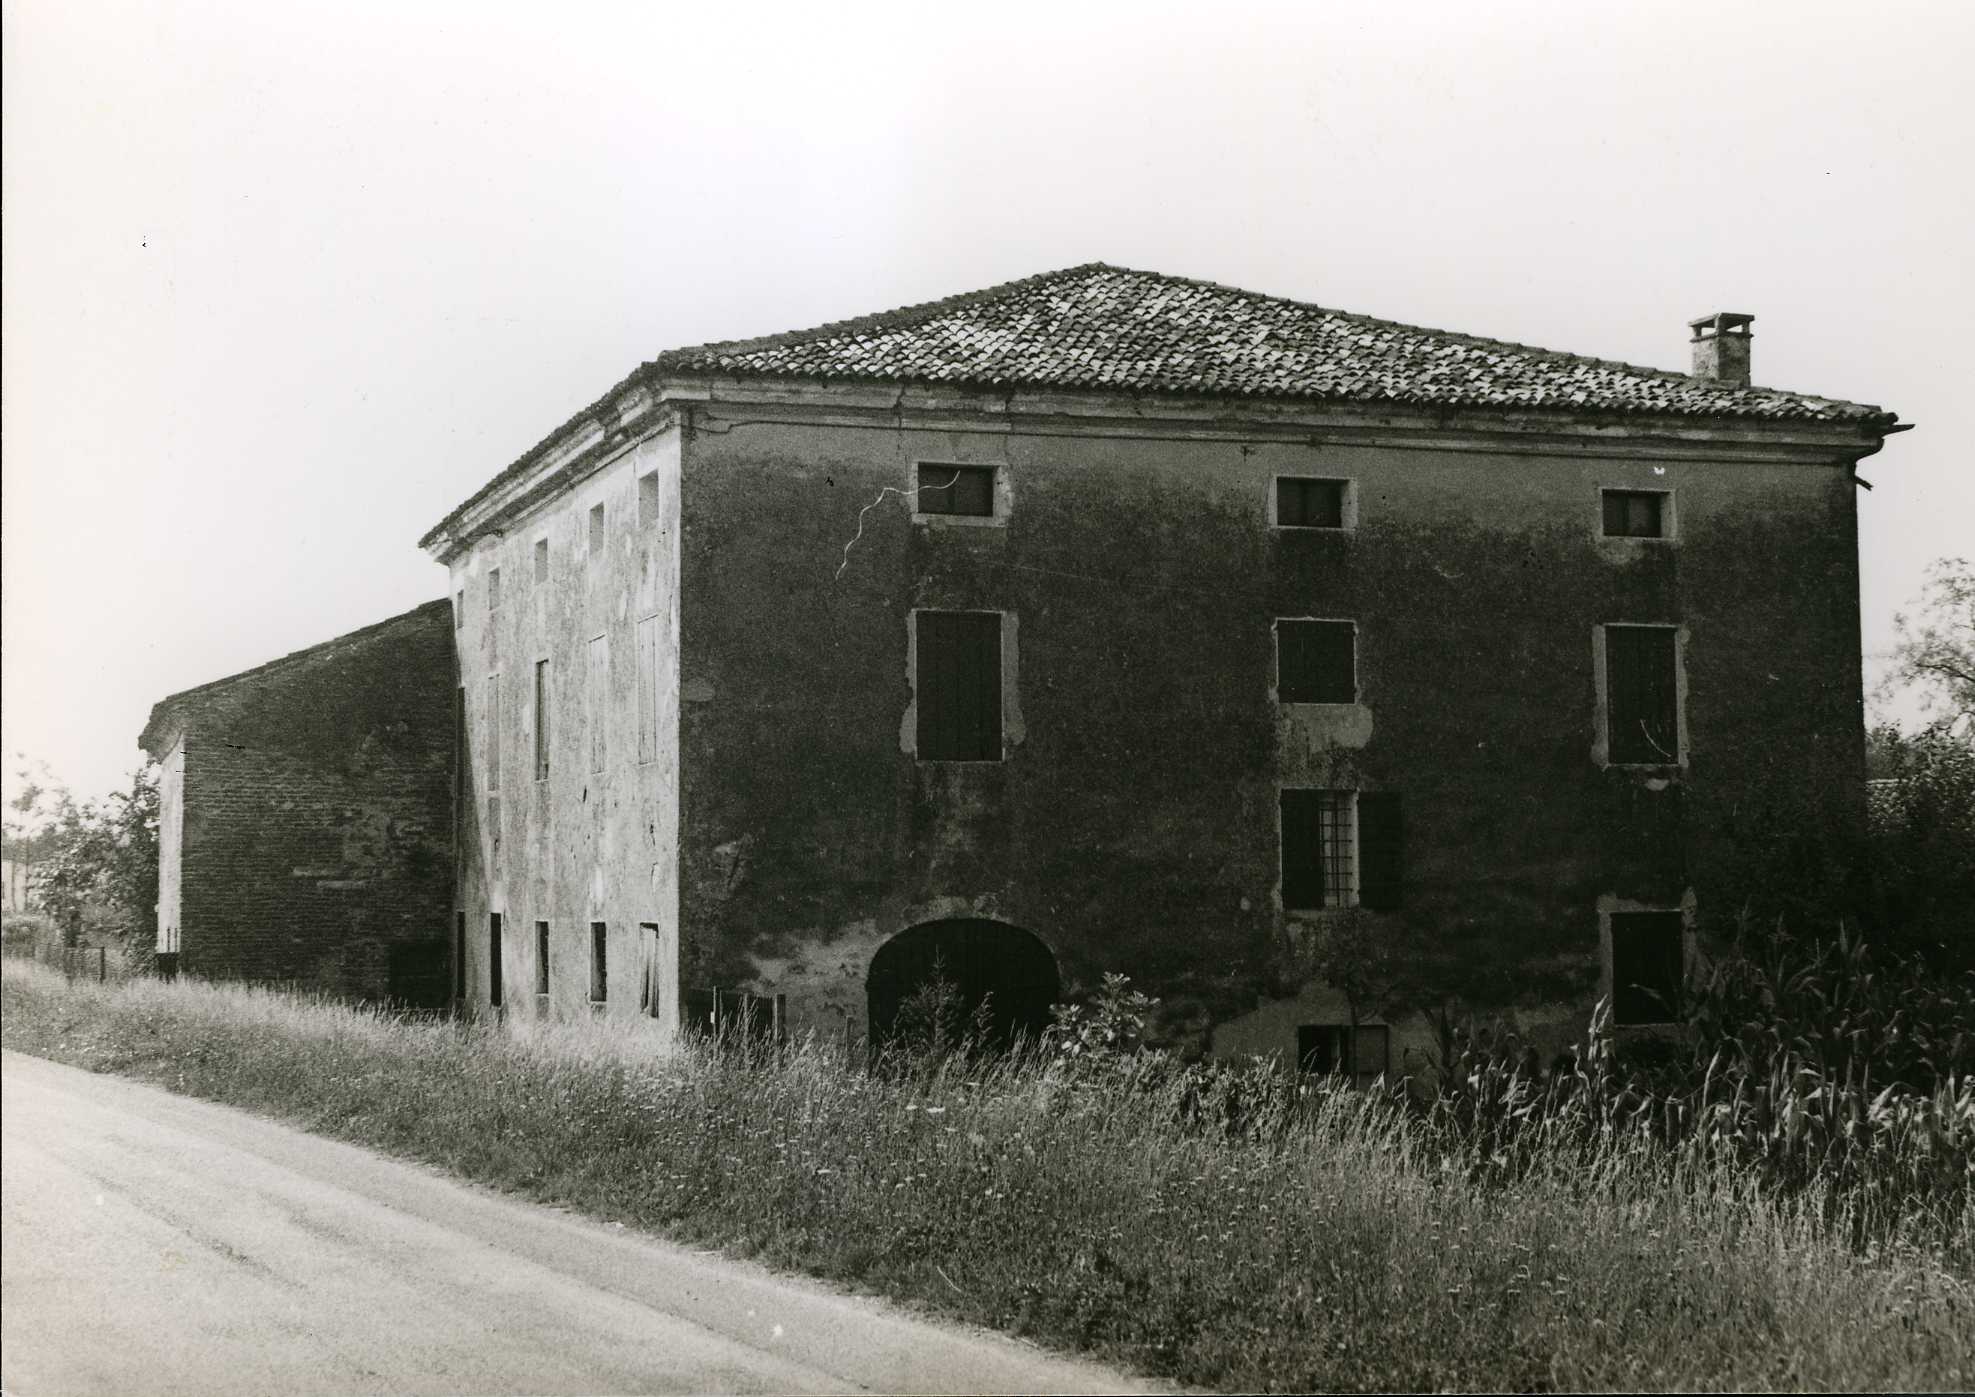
(1339, 1253)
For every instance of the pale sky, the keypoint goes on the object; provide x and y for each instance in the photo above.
(284, 283)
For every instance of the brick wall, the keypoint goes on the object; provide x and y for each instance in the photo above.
(316, 841)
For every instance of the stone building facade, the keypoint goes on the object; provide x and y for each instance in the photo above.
(305, 816)
(1108, 621)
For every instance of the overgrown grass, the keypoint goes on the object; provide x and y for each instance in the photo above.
(1330, 1242)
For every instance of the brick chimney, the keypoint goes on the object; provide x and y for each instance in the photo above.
(1721, 347)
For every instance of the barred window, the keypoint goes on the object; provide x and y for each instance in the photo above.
(1319, 849)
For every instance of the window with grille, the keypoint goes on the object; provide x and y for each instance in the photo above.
(957, 685)
(1642, 697)
(1635, 513)
(1305, 503)
(1319, 849)
(1316, 661)
(1364, 1054)
(956, 490)
(1648, 963)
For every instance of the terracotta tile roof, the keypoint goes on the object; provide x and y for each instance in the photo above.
(1113, 329)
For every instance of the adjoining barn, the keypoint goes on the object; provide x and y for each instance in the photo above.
(305, 816)
(1114, 621)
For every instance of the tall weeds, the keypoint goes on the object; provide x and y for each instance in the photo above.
(1222, 1226)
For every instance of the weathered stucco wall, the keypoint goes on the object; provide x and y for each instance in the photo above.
(1132, 825)
(305, 830)
(595, 841)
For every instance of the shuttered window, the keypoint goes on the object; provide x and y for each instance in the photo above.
(1381, 850)
(1303, 503)
(1642, 707)
(648, 689)
(1648, 961)
(1635, 514)
(956, 490)
(1316, 661)
(958, 685)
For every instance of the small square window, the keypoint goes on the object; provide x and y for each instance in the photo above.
(1319, 849)
(599, 967)
(596, 530)
(1316, 661)
(648, 500)
(541, 560)
(1648, 963)
(956, 490)
(1305, 503)
(1635, 513)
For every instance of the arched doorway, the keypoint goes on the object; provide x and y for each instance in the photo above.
(1004, 965)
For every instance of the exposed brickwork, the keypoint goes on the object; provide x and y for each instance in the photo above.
(316, 836)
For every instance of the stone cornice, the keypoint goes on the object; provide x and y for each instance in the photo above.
(645, 404)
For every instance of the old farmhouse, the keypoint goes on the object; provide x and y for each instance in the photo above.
(305, 816)
(1113, 621)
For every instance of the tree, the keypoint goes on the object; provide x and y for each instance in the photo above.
(97, 861)
(1935, 652)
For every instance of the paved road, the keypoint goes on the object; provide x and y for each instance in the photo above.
(157, 1244)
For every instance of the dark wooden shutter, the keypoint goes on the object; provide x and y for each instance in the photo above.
(1641, 697)
(1648, 963)
(1381, 850)
(1316, 662)
(959, 686)
(1302, 849)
